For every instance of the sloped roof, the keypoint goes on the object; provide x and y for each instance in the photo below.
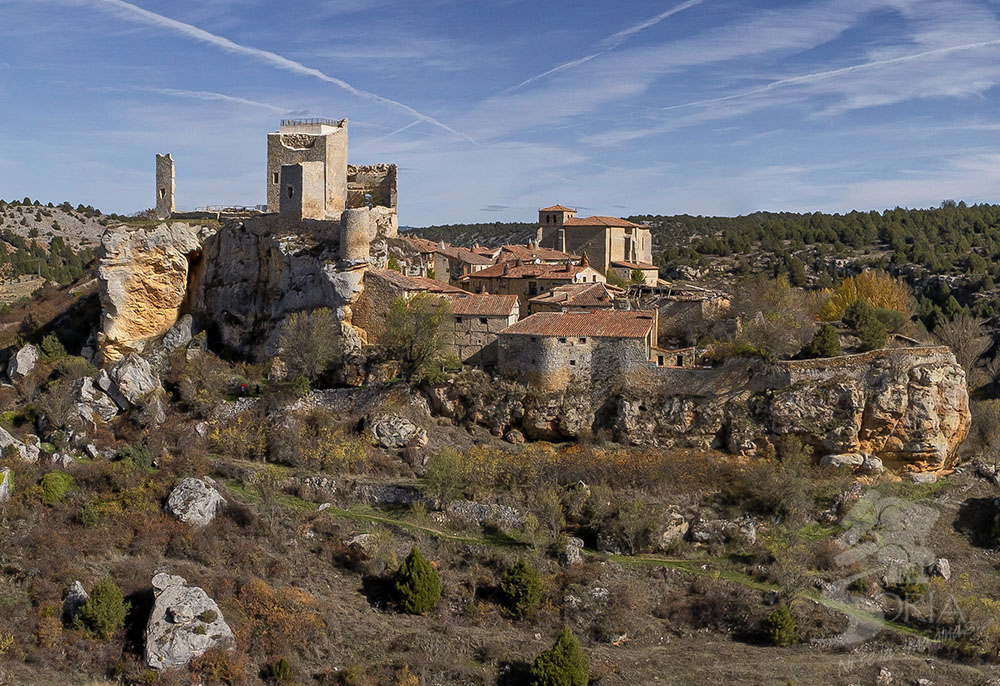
(595, 323)
(634, 265)
(484, 305)
(557, 208)
(413, 283)
(463, 254)
(528, 270)
(528, 254)
(420, 244)
(600, 221)
(577, 295)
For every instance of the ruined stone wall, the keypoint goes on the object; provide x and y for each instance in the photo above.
(369, 311)
(377, 180)
(164, 186)
(303, 186)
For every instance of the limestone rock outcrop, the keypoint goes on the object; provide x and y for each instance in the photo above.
(75, 598)
(129, 381)
(392, 431)
(91, 402)
(6, 482)
(183, 625)
(22, 362)
(26, 450)
(143, 275)
(194, 501)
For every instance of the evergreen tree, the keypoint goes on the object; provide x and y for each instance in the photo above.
(779, 627)
(521, 590)
(866, 325)
(418, 586)
(564, 664)
(104, 611)
(825, 343)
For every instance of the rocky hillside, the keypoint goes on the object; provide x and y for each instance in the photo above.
(79, 227)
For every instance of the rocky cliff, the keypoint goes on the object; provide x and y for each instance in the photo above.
(143, 277)
(908, 407)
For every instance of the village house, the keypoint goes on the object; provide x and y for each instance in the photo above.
(685, 312)
(381, 288)
(602, 239)
(452, 262)
(555, 350)
(576, 296)
(475, 321)
(625, 270)
(526, 280)
(533, 253)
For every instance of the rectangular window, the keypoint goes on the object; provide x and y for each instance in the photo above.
(583, 340)
(533, 339)
(274, 178)
(482, 320)
(532, 288)
(562, 340)
(572, 363)
(458, 319)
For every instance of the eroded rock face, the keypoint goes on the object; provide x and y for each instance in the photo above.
(6, 482)
(143, 275)
(129, 381)
(194, 501)
(393, 431)
(27, 450)
(183, 625)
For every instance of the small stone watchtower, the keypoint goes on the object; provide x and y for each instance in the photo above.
(164, 186)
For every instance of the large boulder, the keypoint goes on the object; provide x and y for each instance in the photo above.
(128, 381)
(393, 431)
(194, 501)
(143, 276)
(183, 625)
(76, 596)
(91, 402)
(22, 362)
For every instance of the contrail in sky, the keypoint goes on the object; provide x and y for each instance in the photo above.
(610, 43)
(136, 13)
(211, 95)
(821, 75)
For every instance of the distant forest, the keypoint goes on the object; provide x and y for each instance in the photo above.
(948, 254)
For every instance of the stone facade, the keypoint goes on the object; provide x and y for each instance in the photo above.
(380, 288)
(302, 188)
(371, 185)
(474, 324)
(298, 141)
(528, 280)
(164, 186)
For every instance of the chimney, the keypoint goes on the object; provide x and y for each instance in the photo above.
(585, 262)
(562, 240)
(506, 268)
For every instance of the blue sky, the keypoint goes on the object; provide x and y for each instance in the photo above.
(494, 109)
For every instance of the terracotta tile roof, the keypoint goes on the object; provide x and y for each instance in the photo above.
(577, 295)
(482, 305)
(413, 283)
(557, 208)
(530, 270)
(600, 221)
(420, 244)
(633, 265)
(462, 254)
(528, 254)
(595, 323)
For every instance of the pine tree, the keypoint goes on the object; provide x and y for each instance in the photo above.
(521, 590)
(105, 610)
(779, 627)
(825, 343)
(418, 586)
(564, 664)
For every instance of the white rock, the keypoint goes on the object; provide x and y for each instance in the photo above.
(194, 501)
(22, 362)
(129, 380)
(183, 625)
(392, 431)
(843, 460)
(941, 567)
(924, 477)
(76, 596)
(6, 480)
(27, 451)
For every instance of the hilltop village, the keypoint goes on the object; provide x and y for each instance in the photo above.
(220, 436)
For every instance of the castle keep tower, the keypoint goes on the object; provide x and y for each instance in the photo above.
(164, 186)
(299, 141)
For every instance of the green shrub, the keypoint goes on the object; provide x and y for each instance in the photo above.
(521, 590)
(281, 670)
(52, 347)
(909, 586)
(418, 586)
(825, 343)
(89, 515)
(564, 664)
(865, 324)
(208, 616)
(138, 456)
(105, 610)
(444, 478)
(779, 627)
(56, 486)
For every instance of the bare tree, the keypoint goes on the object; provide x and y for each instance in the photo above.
(968, 339)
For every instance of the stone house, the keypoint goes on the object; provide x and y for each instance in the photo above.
(603, 239)
(381, 288)
(556, 350)
(650, 272)
(475, 321)
(526, 280)
(685, 312)
(533, 253)
(452, 262)
(576, 296)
